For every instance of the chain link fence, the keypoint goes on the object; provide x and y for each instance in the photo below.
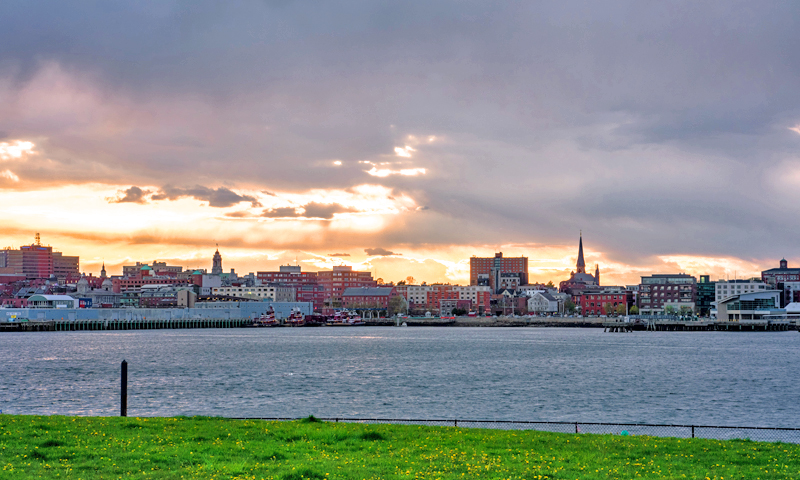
(716, 432)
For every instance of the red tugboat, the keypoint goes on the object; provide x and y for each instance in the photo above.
(267, 319)
(345, 318)
(296, 319)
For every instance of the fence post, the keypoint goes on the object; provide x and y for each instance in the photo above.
(455, 423)
(692, 431)
(576, 427)
(123, 397)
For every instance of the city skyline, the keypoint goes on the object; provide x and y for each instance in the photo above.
(404, 138)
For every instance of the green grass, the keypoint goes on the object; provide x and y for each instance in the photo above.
(114, 447)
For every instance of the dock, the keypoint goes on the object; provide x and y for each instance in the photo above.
(122, 324)
(699, 325)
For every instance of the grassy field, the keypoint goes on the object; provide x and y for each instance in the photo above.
(114, 447)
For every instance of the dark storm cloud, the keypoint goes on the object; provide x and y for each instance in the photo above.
(216, 197)
(654, 126)
(132, 195)
(379, 252)
(310, 210)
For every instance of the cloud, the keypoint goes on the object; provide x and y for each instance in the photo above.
(15, 150)
(9, 175)
(133, 194)
(220, 197)
(310, 210)
(379, 252)
(338, 254)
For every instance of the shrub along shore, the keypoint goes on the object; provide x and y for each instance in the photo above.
(207, 447)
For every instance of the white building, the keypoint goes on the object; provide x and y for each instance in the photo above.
(543, 302)
(276, 293)
(725, 290)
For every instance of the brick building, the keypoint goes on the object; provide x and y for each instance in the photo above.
(336, 281)
(659, 293)
(38, 261)
(492, 271)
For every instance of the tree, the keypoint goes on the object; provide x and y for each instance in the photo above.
(401, 282)
(669, 309)
(410, 280)
(620, 309)
(550, 284)
(608, 308)
(397, 304)
(379, 281)
(634, 310)
(569, 306)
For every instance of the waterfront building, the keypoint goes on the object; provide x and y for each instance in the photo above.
(544, 303)
(498, 272)
(777, 278)
(730, 288)
(750, 306)
(368, 297)
(51, 301)
(337, 280)
(602, 301)
(665, 293)
(305, 283)
(273, 292)
(37, 261)
(706, 296)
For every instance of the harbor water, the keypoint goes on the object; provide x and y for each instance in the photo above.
(535, 374)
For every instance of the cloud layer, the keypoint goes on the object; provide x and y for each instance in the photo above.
(665, 131)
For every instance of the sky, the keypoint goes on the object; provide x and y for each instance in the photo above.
(404, 137)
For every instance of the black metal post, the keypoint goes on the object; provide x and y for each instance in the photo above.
(576, 427)
(692, 431)
(124, 390)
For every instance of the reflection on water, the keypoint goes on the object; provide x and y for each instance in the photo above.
(478, 373)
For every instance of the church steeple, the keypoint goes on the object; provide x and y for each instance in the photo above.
(216, 263)
(103, 271)
(581, 264)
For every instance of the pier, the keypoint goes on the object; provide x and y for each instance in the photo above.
(122, 324)
(702, 325)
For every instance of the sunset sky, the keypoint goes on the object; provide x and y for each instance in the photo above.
(404, 137)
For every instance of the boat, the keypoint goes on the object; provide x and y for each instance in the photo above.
(345, 318)
(296, 318)
(267, 319)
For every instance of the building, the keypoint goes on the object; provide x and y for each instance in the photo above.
(373, 298)
(145, 277)
(667, 293)
(706, 296)
(730, 288)
(51, 301)
(37, 261)
(579, 280)
(158, 268)
(102, 297)
(305, 283)
(776, 278)
(216, 263)
(274, 292)
(494, 271)
(336, 281)
(605, 301)
(543, 303)
(750, 306)
(429, 297)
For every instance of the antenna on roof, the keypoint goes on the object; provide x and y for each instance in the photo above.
(38, 240)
